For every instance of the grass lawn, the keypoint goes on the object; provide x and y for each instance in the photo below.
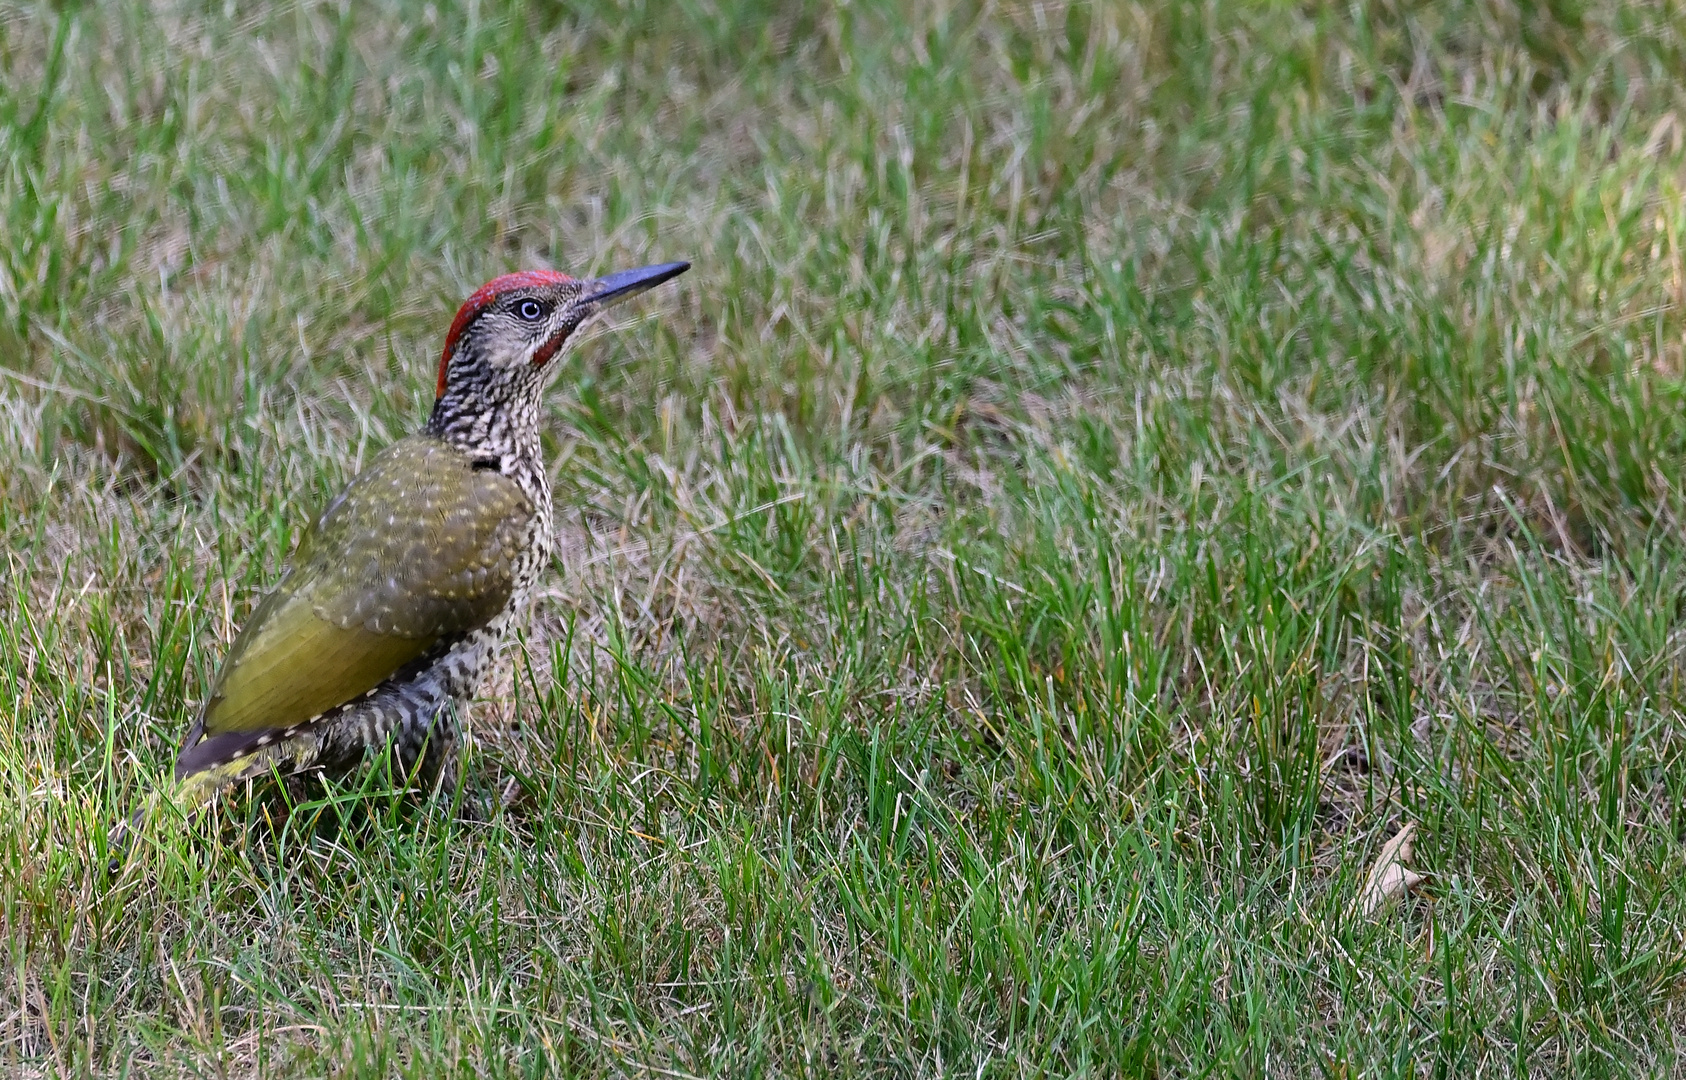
(1112, 466)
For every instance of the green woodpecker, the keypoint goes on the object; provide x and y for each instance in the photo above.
(402, 588)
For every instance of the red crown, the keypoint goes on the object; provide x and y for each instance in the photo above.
(478, 301)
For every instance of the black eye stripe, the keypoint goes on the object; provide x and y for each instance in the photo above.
(529, 310)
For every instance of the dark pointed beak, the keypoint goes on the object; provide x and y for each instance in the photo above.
(613, 288)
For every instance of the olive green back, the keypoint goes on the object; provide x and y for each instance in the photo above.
(418, 549)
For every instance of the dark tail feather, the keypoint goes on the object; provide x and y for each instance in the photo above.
(210, 764)
(222, 748)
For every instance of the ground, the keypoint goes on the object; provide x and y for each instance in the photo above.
(1111, 467)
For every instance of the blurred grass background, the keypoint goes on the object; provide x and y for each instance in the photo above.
(1112, 465)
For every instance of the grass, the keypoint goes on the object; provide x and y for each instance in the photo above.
(1111, 467)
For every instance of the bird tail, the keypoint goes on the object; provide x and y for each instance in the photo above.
(209, 765)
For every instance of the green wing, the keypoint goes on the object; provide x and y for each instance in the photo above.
(418, 550)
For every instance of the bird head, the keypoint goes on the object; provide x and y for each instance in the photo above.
(514, 327)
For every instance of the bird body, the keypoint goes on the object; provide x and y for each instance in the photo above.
(402, 588)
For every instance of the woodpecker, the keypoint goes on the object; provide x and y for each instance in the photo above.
(402, 588)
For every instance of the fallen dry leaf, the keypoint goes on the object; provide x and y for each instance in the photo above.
(1389, 877)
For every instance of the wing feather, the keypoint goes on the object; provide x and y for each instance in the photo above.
(417, 551)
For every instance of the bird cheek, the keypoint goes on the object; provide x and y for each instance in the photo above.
(543, 354)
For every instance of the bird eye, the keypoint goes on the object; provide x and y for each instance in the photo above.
(530, 310)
